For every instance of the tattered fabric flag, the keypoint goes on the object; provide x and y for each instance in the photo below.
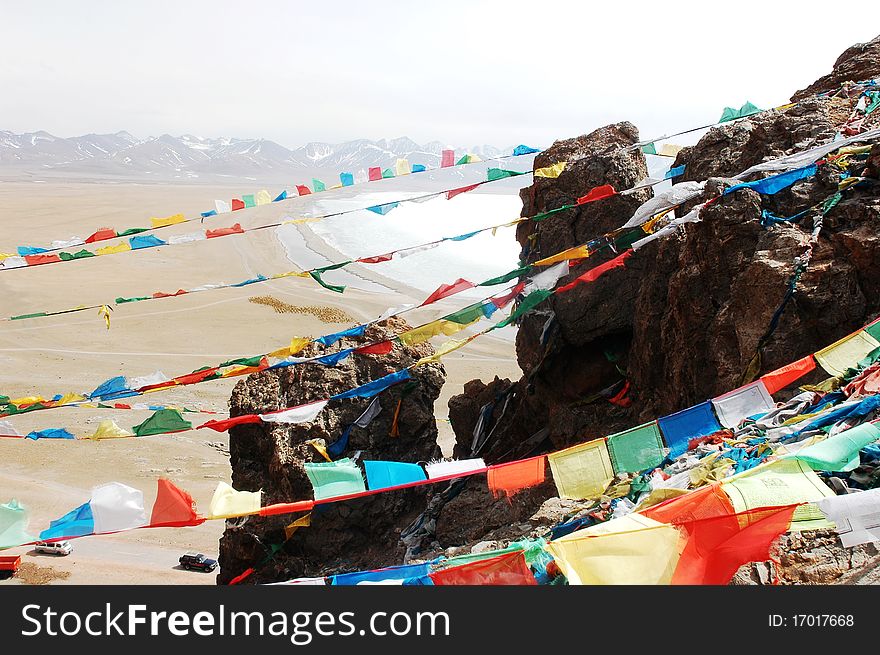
(582, 471)
(528, 304)
(104, 312)
(338, 447)
(117, 507)
(331, 479)
(674, 172)
(839, 452)
(447, 158)
(162, 421)
(597, 193)
(429, 330)
(37, 260)
(334, 358)
(389, 575)
(374, 387)
(781, 482)
(524, 150)
(507, 277)
(148, 241)
(381, 474)
(678, 194)
(225, 424)
(237, 204)
(445, 290)
(68, 256)
(681, 427)
(595, 273)
(787, 375)
(330, 339)
(507, 569)
(168, 220)
(76, 523)
(547, 279)
(296, 346)
(551, 171)
(846, 353)
(500, 173)
(173, 507)
(14, 262)
(229, 503)
(102, 234)
(637, 449)
(374, 173)
(50, 433)
(446, 348)
(578, 252)
(443, 469)
(111, 387)
(108, 429)
(632, 549)
(508, 479)
(281, 196)
(730, 113)
(14, 525)
(301, 522)
(736, 405)
(669, 150)
(775, 183)
(347, 179)
(854, 515)
(224, 231)
(263, 197)
(25, 251)
(383, 209)
(316, 276)
(186, 238)
(8, 430)
(455, 192)
(402, 167)
(381, 348)
(249, 200)
(112, 250)
(302, 414)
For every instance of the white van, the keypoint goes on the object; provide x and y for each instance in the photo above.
(54, 547)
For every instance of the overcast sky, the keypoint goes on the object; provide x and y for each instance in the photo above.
(462, 72)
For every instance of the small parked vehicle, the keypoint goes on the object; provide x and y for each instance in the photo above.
(197, 561)
(54, 547)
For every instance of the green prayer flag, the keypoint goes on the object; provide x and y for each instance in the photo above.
(543, 215)
(463, 160)
(318, 185)
(507, 277)
(875, 102)
(831, 202)
(316, 276)
(13, 525)
(387, 173)
(4, 400)
(132, 230)
(636, 449)
(500, 173)
(528, 303)
(467, 315)
(21, 316)
(67, 256)
(249, 201)
(649, 149)
(244, 361)
(162, 421)
(840, 452)
(337, 478)
(122, 301)
(730, 113)
(874, 330)
(625, 240)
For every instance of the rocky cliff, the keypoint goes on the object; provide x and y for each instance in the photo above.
(688, 318)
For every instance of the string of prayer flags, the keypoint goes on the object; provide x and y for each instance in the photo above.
(730, 114)
(553, 171)
(230, 503)
(508, 569)
(632, 549)
(854, 516)
(381, 474)
(163, 421)
(582, 471)
(679, 428)
(839, 452)
(443, 469)
(331, 479)
(637, 449)
(789, 374)
(13, 525)
(736, 405)
(846, 353)
(508, 479)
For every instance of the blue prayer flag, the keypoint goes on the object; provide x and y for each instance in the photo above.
(382, 575)
(330, 339)
(390, 474)
(213, 212)
(347, 179)
(690, 423)
(76, 523)
(50, 433)
(383, 209)
(524, 150)
(775, 183)
(148, 241)
(376, 386)
(281, 196)
(674, 172)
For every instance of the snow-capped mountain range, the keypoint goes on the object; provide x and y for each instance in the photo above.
(122, 155)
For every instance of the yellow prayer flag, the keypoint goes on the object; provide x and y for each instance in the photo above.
(551, 171)
(295, 347)
(229, 503)
(632, 549)
(321, 446)
(70, 397)
(110, 250)
(104, 312)
(26, 400)
(578, 252)
(263, 197)
(401, 167)
(446, 348)
(669, 150)
(301, 522)
(846, 353)
(299, 221)
(168, 220)
(582, 471)
(855, 150)
(4, 255)
(109, 430)
(433, 329)
(784, 107)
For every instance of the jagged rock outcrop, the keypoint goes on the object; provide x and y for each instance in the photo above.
(858, 62)
(361, 533)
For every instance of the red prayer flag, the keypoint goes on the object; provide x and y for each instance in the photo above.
(224, 231)
(381, 348)
(42, 258)
(193, 378)
(507, 479)
(445, 290)
(375, 260)
(595, 273)
(102, 234)
(237, 204)
(502, 301)
(121, 406)
(704, 503)
(375, 173)
(224, 424)
(242, 576)
(451, 194)
(782, 377)
(604, 191)
(303, 190)
(508, 569)
(162, 294)
(447, 158)
(173, 507)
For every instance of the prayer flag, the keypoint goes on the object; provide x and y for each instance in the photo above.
(263, 197)
(162, 421)
(446, 290)
(551, 171)
(318, 186)
(249, 200)
(108, 429)
(347, 179)
(507, 569)
(222, 206)
(13, 525)
(391, 474)
(302, 414)
(339, 478)
(447, 158)
(224, 231)
(375, 173)
(303, 190)
(595, 273)
(229, 503)
(582, 471)
(782, 377)
(597, 193)
(839, 452)
(237, 204)
(370, 389)
(173, 506)
(637, 449)
(736, 405)
(507, 479)
(401, 167)
(846, 353)
(455, 192)
(679, 428)
(168, 220)
(102, 234)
